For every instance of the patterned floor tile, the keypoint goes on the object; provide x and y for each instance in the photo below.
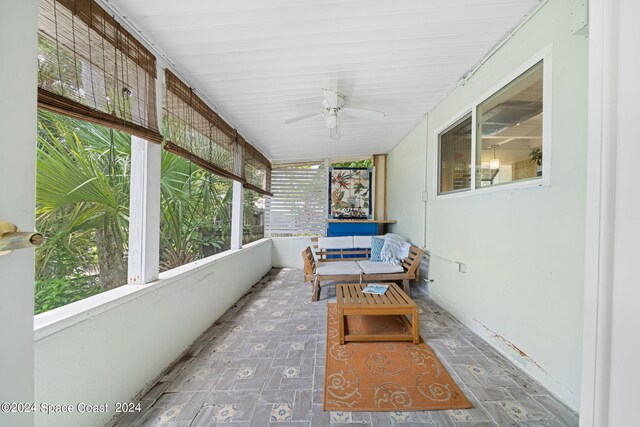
(282, 412)
(244, 373)
(262, 363)
(296, 346)
(224, 413)
(291, 372)
(400, 417)
(340, 417)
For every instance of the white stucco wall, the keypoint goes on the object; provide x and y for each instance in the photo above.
(18, 82)
(524, 248)
(110, 351)
(617, 272)
(406, 184)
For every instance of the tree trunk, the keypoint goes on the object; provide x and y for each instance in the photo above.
(111, 260)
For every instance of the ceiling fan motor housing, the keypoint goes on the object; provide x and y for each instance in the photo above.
(339, 102)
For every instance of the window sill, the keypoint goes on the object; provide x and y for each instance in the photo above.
(532, 183)
(61, 318)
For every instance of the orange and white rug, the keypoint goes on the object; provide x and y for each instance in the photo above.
(384, 376)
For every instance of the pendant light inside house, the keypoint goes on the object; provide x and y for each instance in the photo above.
(494, 163)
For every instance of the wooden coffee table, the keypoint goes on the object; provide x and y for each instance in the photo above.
(351, 301)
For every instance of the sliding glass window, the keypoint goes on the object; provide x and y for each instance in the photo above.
(455, 157)
(507, 145)
(509, 132)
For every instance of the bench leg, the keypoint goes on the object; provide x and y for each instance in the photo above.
(315, 293)
(415, 326)
(405, 286)
(341, 326)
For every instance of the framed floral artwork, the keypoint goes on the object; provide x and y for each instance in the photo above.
(350, 193)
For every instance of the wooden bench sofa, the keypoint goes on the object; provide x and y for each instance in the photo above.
(351, 263)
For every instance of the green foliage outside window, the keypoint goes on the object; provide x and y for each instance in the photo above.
(82, 196)
(366, 163)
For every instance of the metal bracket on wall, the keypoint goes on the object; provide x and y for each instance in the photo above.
(12, 239)
(579, 18)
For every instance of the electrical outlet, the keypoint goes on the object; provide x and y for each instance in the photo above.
(462, 268)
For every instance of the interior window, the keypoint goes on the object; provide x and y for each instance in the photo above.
(455, 157)
(509, 132)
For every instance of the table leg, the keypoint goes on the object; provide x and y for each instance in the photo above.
(405, 287)
(341, 321)
(416, 327)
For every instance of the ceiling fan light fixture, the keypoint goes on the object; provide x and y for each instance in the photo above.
(332, 109)
(334, 134)
(331, 120)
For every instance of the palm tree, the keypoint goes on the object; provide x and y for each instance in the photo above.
(82, 191)
(195, 212)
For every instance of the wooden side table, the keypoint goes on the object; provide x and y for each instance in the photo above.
(352, 301)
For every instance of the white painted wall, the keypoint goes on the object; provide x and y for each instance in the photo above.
(405, 185)
(523, 247)
(109, 347)
(625, 338)
(287, 251)
(18, 82)
(611, 339)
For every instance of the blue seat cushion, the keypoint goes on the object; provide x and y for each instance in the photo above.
(376, 248)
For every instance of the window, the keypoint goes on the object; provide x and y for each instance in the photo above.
(455, 157)
(508, 139)
(82, 195)
(195, 208)
(254, 204)
(509, 132)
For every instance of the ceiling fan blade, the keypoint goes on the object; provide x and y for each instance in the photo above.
(365, 114)
(302, 117)
(331, 97)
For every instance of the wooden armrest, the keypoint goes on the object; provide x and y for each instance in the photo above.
(412, 262)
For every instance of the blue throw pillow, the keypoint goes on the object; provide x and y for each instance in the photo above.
(376, 247)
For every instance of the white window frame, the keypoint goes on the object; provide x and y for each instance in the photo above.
(545, 55)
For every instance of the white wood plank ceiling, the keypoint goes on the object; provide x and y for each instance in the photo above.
(260, 62)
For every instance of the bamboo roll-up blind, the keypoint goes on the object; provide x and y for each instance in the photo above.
(257, 171)
(91, 68)
(195, 132)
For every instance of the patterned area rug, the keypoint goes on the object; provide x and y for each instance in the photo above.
(384, 376)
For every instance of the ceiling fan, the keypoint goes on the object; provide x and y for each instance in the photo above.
(333, 108)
